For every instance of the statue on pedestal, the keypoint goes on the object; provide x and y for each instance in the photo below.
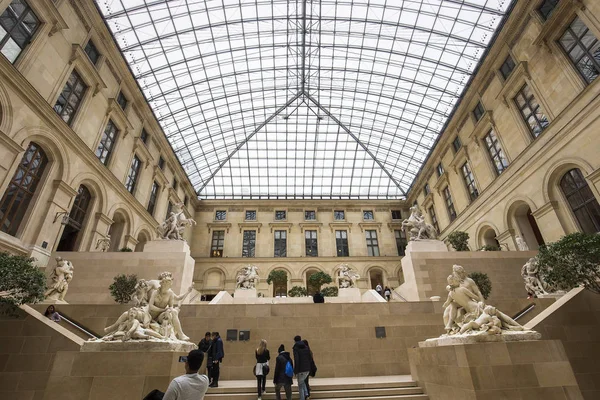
(61, 276)
(521, 243)
(157, 319)
(103, 244)
(418, 229)
(534, 284)
(175, 224)
(347, 277)
(247, 278)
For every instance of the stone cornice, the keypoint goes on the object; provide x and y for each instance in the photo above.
(8, 142)
(280, 225)
(505, 235)
(88, 70)
(104, 218)
(246, 225)
(545, 209)
(218, 225)
(65, 187)
(367, 225)
(594, 176)
(314, 224)
(339, 225)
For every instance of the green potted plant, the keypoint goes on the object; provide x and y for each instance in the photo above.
(330, 291)
(572, 261)
(489, 247)
(298, 291)
(319, 279)
(483, 283)
(277, 277)
(459, 240)
(125, 250)
(21, 282)
(123, 288)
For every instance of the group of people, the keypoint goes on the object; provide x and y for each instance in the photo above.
(212, 348)
(385, 293)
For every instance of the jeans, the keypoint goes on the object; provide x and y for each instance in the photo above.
(287, 388)
(214, 371)
(261, 383)
(307, 384)
(302, 384)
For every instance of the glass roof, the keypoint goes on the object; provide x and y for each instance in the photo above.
(302, 99)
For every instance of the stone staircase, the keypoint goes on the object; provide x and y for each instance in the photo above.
(399, 387)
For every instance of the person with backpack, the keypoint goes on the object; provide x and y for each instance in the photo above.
(262, 367)
(387, 293)
(217, 354)
(301, 365)
(284, 372)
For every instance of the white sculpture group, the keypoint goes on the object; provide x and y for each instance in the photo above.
(175, 224)
(465, 311)
(534, 283)
(347, 277)
(155, 314)
(247, 278)
(103, 244)
(61, 276)
(417, 228)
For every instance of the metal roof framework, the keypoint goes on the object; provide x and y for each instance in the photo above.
(303, 98)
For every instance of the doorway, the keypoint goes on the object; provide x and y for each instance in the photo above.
(526, 226)
(70, 238)
(376, 278)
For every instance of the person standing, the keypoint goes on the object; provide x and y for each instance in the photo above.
(387, 293)
(379, 290)
(301, 365)
(204, 346)
(312, 372)
(217, 353)
(280, 378)
(262, 367)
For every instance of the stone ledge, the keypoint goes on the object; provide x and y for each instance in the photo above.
(138, 345)
(506, 336)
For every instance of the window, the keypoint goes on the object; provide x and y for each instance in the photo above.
(249, 244)
(280, 244)
(175, 184)
(18, 23)
(185, 200)
(220, 215)
(122, 100)
(456, 144)
(132, 176)
(469, 181)
(280, 215)
(169, 210)
(216, 247)
(434, 220)
(439, 169)
(21, 188)
(107, 143)
(478, 111)
(339, 215)
(426, 189)
(582, 201)
(251, 215)
(495, 151)
(583, 49)
(310, 215)
(341, 243)
(449, 204)
(531, 111)
(368, 215)
(144, 136)
(507, 67)
(153, 195)
(70, 99)
(161, 163)
(547, 7)
(400, 241)
(310, 240)
(372, 243)
(92, 52)
(396, 214)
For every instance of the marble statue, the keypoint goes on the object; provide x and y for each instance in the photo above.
(418, 229)
(103, 244)
(521, 244)
(155, 315)
(347, 277)
(534, 284)
(175, 224)
(247, 278)
(61, 276)
(465, 311)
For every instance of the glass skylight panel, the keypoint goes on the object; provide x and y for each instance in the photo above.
(256, 106)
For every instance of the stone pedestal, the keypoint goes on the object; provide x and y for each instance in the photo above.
(537, 369)
(350, 295)
(410, 290)
(138, 345)
(167, 246)
(245, 296)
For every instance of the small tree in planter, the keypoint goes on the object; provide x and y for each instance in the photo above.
(21, 282)
(319, 279)
(298, 291)
(330, 291)
(123, 288)
(572, 261)
(278, 277)
(483, 283)
(489, 247)
(459, 240)
(125, 250)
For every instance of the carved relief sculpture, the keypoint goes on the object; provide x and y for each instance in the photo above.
(175, 224)
(347, 277)
(103, 244)
(521, 243)
(417, 228)
(60, 277)
(247, 278)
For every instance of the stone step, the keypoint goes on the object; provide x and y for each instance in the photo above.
(375, 393)
(250, 386)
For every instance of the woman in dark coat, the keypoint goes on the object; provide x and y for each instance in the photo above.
(313, 369)
(262, 360)
(280, 379)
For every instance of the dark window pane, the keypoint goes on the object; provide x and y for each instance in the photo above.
(582, 201)
(216, 248)
(70, 99)
(581, 46)
(132, 176)
(19, 24)
(249, 244)
(106, 145)
(251, 215)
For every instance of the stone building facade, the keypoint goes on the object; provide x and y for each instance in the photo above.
(519, 157)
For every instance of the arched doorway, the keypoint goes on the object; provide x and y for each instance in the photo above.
(117, 230)
(376, 278)
(280, 289)
(71, 235)
(310, 288)
(582, 201)
(488, 238)
(526, 226)
(142, 239)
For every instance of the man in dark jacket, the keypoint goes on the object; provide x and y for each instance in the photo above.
(204, 347)
(318, 298)
(218, 353)
(280, 379)
(301, 365)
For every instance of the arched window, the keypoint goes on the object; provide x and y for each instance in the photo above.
(21, 188)
(582, 201)
(70, 235)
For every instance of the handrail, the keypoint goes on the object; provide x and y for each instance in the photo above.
(63, 317)
(399, 295)
(524, 311)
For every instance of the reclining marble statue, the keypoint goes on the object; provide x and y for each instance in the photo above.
(465, 311)
(247, 277)
(175, 224)
(155, 315)
(417, 228)
(61, 276)
(347, 277)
